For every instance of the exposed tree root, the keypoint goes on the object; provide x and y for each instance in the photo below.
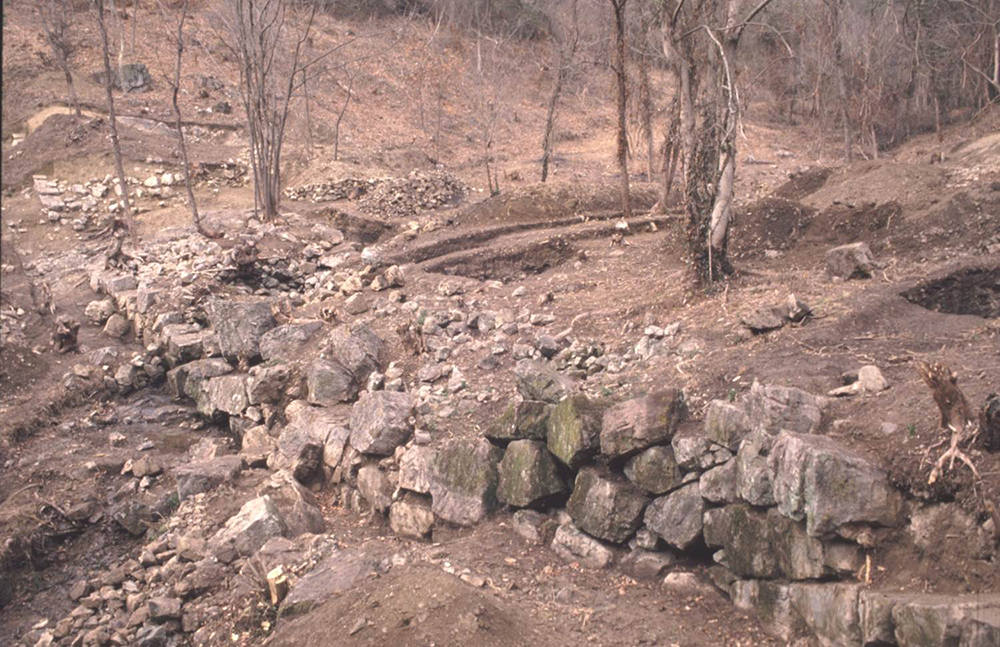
(956, 416)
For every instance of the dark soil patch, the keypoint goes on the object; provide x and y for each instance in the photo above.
(363, 230)
(509, 265)
(545, 202)
(768, 223)
(802, 184)
(842, 223)
(973, 291)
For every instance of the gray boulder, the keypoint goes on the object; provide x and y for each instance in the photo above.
(186, 380)
(718, 484)
(350, 356)
(522, 420)
(272, 384)
(297, 507)
(133, 77)
(829, 486)
(605, 506)
(771, 603)
(416, 469)
(575, 546)
(246, 531)
(677, 517)
(753, 477)
(726, 423)
(528, 475)
(330, 383)
(342, 571)
(375, 487)
(634, 425)
(655, 471)
(285, 343)
(574, 430)
(829, 610)
(226, 394)
(411, 516)
(854, 261)
(380, 422)
(936, 620)
(240, 325)
(465, 482)
(202, 476)
(539, 381)
(772, 408)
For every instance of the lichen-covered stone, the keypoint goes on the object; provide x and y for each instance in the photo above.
(522, 420)
(240, 325)
(465, 482)
(726, 423)
(574, 430)
(541, 382)
(655, 471)
(528, 475)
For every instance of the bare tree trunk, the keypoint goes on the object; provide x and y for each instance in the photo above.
(309, 125)
(646, 105)
(550, 120)
(175, 87)
(838, 66)
(112, 123)
(619, 10)
(55, 17)
(340, 116)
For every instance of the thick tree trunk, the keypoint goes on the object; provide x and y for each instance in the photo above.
(646, 104)
(619, 10)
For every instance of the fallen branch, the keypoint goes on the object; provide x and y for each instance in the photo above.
(956, 416)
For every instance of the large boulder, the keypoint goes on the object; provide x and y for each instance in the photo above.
(655, 471)
(718, 484)
(522, 420)
(606, 506)
(240, 325)
(726, 423)
(528, 475)
(829, 610)
(760, 544)
(677, 517)
(771, 603)
(631, 426)
(854, 261)
(350, 356)
(285, 342)
(246, 531)
(934, 620)
(574, 430)
(375, 487)
(539, 381)
(380, 422)
(411, 516)
(832, 488)
(575, 546)
(186, 380)
(416, 469)
(338, 573)
(753, 477)
(273, 383)
(772, 408)
(201, 476)
(225, 394)
(466, 476)
(297, 506)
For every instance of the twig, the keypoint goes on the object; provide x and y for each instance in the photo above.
(19, 491)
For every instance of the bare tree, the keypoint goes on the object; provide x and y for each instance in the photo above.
(618, 9)
(708, 70)
(343, 110)
(174, 82)
(55, 16)
(567, 53)
(835, 25)
(269, 61)
(116, 223)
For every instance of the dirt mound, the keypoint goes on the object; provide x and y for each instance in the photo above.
(422, 606)
(60, 137)
(539, 202)
(972, 291)
(870, 222)
(768, 223)
(803, 183)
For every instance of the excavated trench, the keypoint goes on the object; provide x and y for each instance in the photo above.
(971, 291)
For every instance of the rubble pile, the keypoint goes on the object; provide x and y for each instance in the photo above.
(387, 197)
